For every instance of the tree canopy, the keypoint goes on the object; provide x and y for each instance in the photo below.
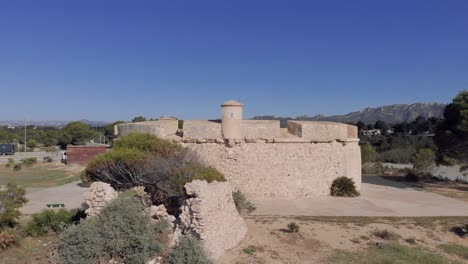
(452, 134)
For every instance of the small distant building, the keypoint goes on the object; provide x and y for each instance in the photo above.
(83, 153)
(371, 132)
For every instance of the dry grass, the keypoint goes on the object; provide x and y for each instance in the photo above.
(41, 175)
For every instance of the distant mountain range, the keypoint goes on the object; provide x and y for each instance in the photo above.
(392, 114)
(53, 123)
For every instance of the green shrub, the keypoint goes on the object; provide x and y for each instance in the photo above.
(250, 250)
(11, 160)
(31, 143)
(11, 199)
(147, 143)
(47, 159)
(188, 251)
(368, 153)
(49, 220)
(398, 155)
(423, 160)
(18, 167)
(119, 167)
(121, 231)
(28, 162)
(242, 204)
(293, 227)
(198, 172)
(344, 187)
(162, 176)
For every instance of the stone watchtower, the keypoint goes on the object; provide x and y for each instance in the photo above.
(231, 122)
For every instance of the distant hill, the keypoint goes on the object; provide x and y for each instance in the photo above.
(396, 113)
(53, 123)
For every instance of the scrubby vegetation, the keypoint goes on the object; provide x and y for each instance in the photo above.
(161, 166)
(189, 250)
(28, 162)
(242, 204)
(293, 227)
(51, 220)
(11, 199)
(120, 232)
(387, 253)
(456, 250)
(344, 187)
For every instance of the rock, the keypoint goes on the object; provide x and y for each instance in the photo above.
(99, 195)
(212, 216)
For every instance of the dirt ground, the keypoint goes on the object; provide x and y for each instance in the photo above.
(452, 189)
(269, 241)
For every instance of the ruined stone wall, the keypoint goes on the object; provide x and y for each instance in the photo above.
(283, 170)
(212, 216)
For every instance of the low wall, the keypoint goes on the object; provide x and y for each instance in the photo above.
(39, 155)
(283, 170)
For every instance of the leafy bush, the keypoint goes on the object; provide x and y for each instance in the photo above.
(293, 227)
(28, 162)
(423, 160)
(121, 232)
(31, 143)
(241, 202)
(368, 153)
(122, 168)
(18, 167)
(41, 223)
(47, 159)
(12, 198)
(7, 239)
(344, 187)
(163, 177)
(188, 251)
(147, 143)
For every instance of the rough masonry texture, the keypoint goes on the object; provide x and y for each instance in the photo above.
(99, 195)
(209, 215)
(265, 161)
(212, 216)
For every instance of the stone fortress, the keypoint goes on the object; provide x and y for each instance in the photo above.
(261, 159)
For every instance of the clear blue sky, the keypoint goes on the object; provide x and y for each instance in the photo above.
(109, 60)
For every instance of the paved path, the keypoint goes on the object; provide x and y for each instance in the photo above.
(379, 197)
(71, 194)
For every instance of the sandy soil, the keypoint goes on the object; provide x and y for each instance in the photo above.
(318, 238)
(456, 190)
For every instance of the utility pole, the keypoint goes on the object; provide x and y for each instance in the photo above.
(24, 145)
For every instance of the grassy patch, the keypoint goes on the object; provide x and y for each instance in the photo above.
(40, 175)
(387, 254)
(250, 250)
(28, 251)
(455, 249)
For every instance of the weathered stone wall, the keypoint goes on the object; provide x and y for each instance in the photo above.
(99, 195)
(283, 170)
(212, 216)
(160, 128)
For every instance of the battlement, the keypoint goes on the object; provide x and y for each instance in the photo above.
(248, 131)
